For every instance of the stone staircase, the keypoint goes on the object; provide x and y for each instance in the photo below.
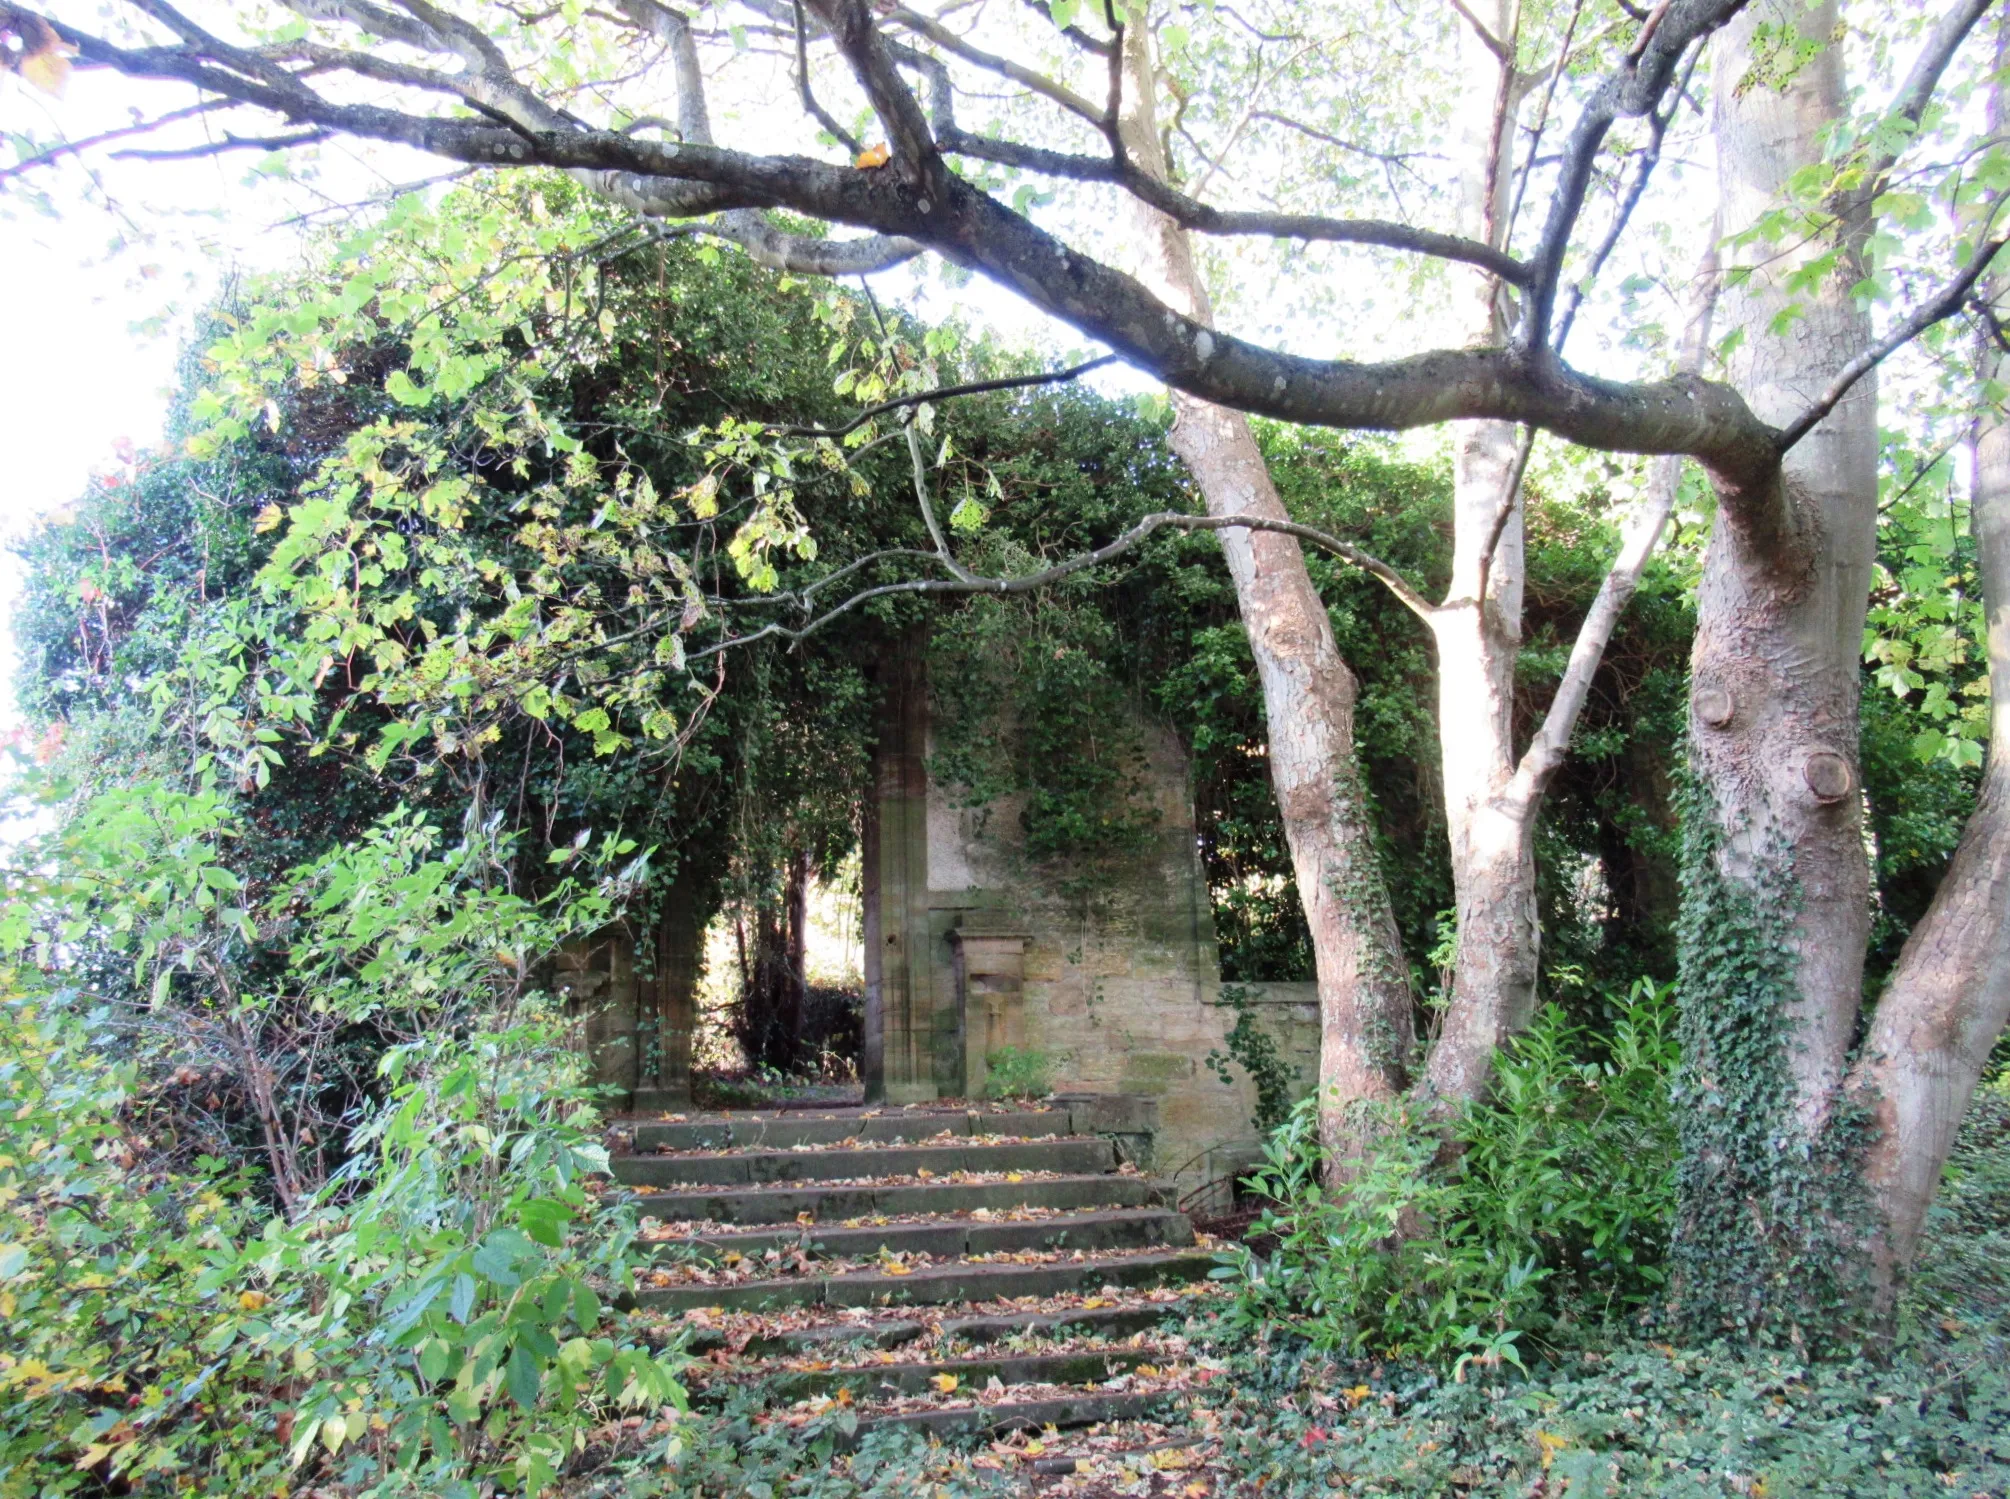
(964, 1270)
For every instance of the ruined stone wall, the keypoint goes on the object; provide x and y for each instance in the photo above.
(636, 1018)
(974, 947)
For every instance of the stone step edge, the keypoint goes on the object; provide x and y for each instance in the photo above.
(825, 1241)
(1028, 1415)
(770, 1167)
(1081, 1366)
(980, 1328)
(724, 1132)
(1078, 1189)
(934, 1286)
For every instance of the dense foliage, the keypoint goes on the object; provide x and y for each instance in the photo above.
(1552, 1220)
(429, 1316)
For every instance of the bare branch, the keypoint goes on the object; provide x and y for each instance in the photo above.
(1658, 124)
(1488, 40)
(1004, 67)
(1642, 534)
(61, 149)
(1400, 158)
(229, 142)
(1203, 219)
(1632, 89)
(926, 501)
(1142, 531)
(946, 393)
(1938, 308)
(821, 115)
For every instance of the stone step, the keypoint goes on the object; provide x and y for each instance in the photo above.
(1060, 1412)
(788, 1129)
(977, 1328)
(789, 1204)
(1070, 1155)
(1120, 1228)
(879, 1381)
(934, 1285)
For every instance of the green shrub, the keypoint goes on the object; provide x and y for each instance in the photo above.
(432, 1318)
(1015, 1072)
(1553, 1212)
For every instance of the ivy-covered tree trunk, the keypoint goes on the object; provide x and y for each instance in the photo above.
(1309, 693)
(1776, 910)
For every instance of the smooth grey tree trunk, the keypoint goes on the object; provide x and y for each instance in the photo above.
(1948, 999)
(1477, 628)
(1308, 693)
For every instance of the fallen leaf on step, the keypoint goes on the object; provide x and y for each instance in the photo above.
(946, 1383)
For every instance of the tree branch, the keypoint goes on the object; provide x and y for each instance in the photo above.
(1634, 88)
(949, 392)
(1546, 751)
(1941, 306)
(219, 147)
(90, 142)
(1706, 420)
(816, 111)
(1658, 123)
(1004, 67)
(927, 503)
(1204, 219)
(1142, 531)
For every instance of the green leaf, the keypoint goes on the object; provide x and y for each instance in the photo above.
(523, 1377)
(544, 1219)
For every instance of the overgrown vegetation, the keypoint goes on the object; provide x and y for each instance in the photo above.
(1550, 1223)
(430, 1316)
(1017, 1072)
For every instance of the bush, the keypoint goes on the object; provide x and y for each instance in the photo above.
(1013, 1072)
(432, 1317)
(1553, 1212)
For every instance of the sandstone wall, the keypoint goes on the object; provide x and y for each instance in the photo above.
(1110, 972)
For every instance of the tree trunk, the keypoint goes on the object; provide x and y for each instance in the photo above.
(1309, 694)
(796, 896)
(1477, 630)
(1949, 995)
(1776, 901)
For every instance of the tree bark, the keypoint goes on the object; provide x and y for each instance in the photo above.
(1949, 995)
(1366, 1029)
(1477, 629)
(1777, 883)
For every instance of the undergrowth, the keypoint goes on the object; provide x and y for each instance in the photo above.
(1551, 1219)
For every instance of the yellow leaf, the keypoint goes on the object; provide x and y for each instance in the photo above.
(1148, 1371)
(945, 1383)
(1355, 1396)
(251, 1301)
(873, 156)
(46, 60)
(1551, 1444)
(844, 1395)
(899, 1270)
(267, 519)
(1015, 1176)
